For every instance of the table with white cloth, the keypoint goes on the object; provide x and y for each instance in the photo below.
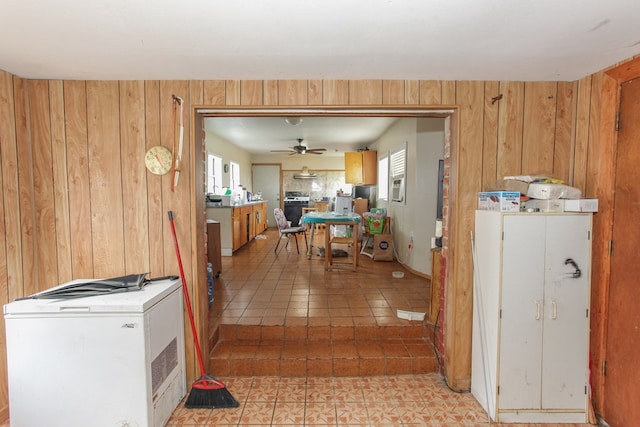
(313, 218)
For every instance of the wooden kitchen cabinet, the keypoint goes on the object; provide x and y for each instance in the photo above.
(214, 247)
(239, 224)
(260, 218)
(361, 167)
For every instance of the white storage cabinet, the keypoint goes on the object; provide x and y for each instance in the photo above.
(111, 360)
(531, 316)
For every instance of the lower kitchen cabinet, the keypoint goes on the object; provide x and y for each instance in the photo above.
(239, 224)
(531, 316)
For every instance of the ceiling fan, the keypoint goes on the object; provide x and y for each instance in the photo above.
(300, 149)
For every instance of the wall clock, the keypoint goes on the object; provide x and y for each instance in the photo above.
(158, 160)
(226, 168)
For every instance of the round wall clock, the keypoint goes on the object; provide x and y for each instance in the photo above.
(226, 167)
(158, 160)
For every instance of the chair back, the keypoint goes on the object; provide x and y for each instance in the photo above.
(281, 220)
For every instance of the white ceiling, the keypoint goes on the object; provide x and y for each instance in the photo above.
(260, 135)
(558, 40)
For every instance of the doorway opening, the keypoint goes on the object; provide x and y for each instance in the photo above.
(449, 119)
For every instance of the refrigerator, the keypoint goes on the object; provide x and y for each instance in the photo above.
(106, 360)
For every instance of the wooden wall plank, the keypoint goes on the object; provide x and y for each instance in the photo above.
(232, 92)
(75, 107)
(510, 117)
(270, 92)
(198, 213)
(449, 92)
(10, 252)
(582, 127)
(179, 201)
(314, 91)
(490, 129)
(134, 182)
(60, 182)
(590, 185)
(156, 185)
(292, 92)
(214, 93)
(335, 92)
(431, 92)
(412, 92)
(538, 127)
(564, 131)
(393, 92)
(365, 92)
(45, 227)
(251, 92)
(8, 216)
(105, 174)
(470, 98)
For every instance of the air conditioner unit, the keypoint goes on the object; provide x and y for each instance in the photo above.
(397, 189)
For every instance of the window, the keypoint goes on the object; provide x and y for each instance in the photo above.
(397, 164)
(235, 176)
(383, 177)
(214, 173)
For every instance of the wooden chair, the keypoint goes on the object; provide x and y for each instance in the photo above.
(350, 238)
(287, 231)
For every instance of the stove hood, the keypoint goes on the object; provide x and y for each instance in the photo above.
(305, 174)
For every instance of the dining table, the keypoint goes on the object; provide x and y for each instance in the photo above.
(313, 218)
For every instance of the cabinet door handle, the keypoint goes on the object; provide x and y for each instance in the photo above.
(537, 310)
(554, 310)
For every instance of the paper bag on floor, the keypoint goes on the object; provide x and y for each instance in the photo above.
(383, 247)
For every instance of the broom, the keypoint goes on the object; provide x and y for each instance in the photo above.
(206, 392)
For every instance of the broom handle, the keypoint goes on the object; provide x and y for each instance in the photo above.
(187, 300)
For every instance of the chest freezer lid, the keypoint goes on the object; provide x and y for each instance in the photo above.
(135, 301)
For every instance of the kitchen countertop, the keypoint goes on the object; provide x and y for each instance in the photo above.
(256, 202)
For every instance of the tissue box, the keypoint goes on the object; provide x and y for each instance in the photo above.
(581, 205)
(501, 201)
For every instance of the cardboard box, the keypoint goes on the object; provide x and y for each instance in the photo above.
(544, 205)
(581, 205)
(501, 201)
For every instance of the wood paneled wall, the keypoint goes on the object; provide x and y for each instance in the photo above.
(78, 202)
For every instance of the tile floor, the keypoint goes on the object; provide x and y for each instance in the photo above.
(412, 400)
(285, 314)
(266, 294)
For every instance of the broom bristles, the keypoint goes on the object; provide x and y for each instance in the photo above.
(207, 392)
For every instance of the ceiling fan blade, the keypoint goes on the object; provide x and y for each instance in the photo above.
(282, 151)
(314, 152)
(316, 149)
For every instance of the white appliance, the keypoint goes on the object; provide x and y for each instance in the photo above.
(343, 204)
(531, 316)
(108, 360)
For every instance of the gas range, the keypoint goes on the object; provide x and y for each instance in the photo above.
(296, 197)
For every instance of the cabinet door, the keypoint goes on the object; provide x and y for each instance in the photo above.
(521, 315)
(353, 168)
(369, 167)
(237, 227)
(566, 327)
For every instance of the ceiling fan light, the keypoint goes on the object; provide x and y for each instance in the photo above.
(293, 121)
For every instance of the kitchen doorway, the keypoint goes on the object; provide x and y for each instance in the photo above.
(267, 180)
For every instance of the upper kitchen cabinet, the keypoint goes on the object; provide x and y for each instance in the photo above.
(361, 167)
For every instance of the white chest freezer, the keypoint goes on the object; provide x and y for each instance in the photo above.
(108, 360)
